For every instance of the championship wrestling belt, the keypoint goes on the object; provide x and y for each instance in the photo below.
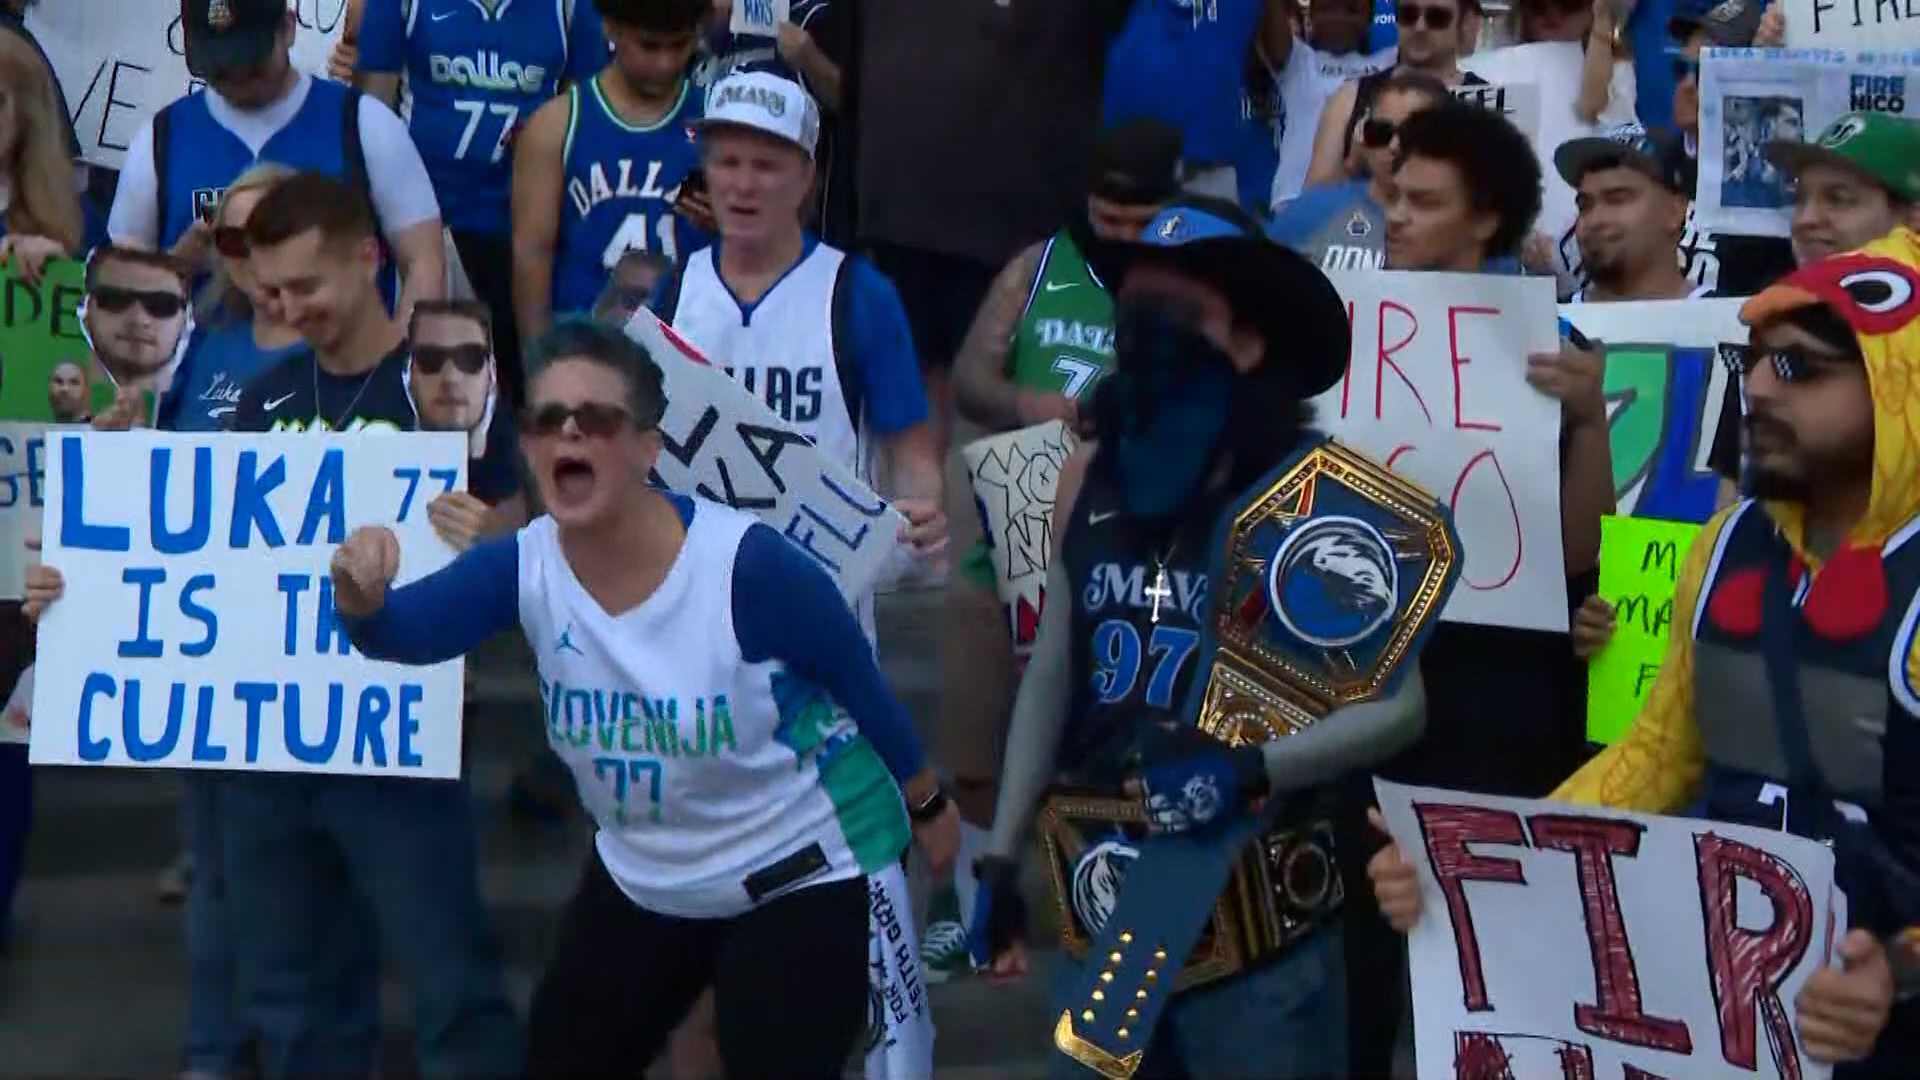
(1327, 575)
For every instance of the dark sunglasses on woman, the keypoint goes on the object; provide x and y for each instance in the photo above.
(594, 419)
(469, 359)
(157, 304)
(1377, 134)
(1413, 15)
(231, 242)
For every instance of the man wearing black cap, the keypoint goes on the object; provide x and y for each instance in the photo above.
(1224, 580)
(1040, 342)
(1632, 188)
(256, 106)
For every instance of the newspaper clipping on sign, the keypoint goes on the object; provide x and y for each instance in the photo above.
(1751, 97)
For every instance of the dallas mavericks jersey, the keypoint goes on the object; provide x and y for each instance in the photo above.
(620, 184)
(698, 767)
(201, 156)
(474, 73)
(781, 348)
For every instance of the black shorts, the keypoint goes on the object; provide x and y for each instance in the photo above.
(789, 983)
(941, 293)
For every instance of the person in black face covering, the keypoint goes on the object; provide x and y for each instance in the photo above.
(1225, 577)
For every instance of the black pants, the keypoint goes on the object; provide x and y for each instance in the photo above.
(789, 981)
(488, 260)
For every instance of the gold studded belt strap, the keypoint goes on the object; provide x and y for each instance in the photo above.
(1128, 977)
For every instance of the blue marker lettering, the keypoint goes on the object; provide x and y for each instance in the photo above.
(327, 632)
(879, 507)
(327, 501)
(204, 748)
(250, 510)
(97, 684)
(291, 586)
(313, 753)
(255, 696)
(75, 531)
(405, 754)
(37, 472)
(200, 522)
(375, 707)
(199, 613)
(804, 540)
(138, 748)
(143, 646)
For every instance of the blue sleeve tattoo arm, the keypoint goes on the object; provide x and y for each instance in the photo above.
(449, 612)
(786, 608)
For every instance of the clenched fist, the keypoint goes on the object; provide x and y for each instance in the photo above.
(1396, 885)
(362, 568)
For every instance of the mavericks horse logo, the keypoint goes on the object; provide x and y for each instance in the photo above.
(1334, 581)
(1096, 882)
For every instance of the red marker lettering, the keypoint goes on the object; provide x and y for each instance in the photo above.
(1513, 510)
(1746, 967)
(1386, 352)
(1446, 831)
(1459, 361)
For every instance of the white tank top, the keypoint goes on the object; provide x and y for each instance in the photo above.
(698, 767)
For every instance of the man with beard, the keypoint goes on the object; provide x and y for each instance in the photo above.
(1631, 188)
(1432, 37)
(1208, 513)
(135, 316)
(1789, 695)
(68, 398)
(453, 376)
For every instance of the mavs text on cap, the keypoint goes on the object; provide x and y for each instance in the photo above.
(770, 100)
(1878, 93)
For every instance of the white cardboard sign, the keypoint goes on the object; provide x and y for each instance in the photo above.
(1015, 475)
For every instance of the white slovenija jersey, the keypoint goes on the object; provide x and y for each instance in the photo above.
(699, 767)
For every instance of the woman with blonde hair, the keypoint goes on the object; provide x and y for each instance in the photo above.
(41, 211)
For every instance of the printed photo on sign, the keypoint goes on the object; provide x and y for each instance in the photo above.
(1436, 390)
(1572, 944)
(43, 351)
(723, 443)
(1747, 179)
(197, 628)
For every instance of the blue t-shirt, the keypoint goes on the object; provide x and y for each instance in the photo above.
(620, 185)
(1334, 226)
(1186, 65)
(474, 74)
(221, 360)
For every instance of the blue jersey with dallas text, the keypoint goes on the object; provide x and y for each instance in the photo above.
(621, 180)
(474, 73)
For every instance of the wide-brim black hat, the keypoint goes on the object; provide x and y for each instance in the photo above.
(1297, 310)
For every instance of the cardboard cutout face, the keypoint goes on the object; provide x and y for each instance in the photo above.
(451, 373)
(135, 318)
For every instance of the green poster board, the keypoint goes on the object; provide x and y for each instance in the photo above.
(39, 331)
(1639, 562)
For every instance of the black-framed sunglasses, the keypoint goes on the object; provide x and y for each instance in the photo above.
(596, 420)
(468, 359)
(1414, 15)
(231, 242)
(1377, 134)
(157, 304)
(1790, 365)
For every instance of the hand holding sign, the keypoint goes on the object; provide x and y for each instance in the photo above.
(362, 566)
(1842, 1010)
(44, 586)
(1573, 377)
(28, 255)
(458, 518)
(1396, 884)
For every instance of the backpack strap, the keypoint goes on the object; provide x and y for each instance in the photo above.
(845, 365)
(356, 157)
(162, 157)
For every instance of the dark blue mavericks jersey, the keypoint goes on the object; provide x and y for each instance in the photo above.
(473, 75)
(621, 181)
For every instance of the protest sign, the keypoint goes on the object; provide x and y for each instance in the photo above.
(1639, 561)
(198, 631)
(1014, 476)
(23, 491)
(724, 444)
(1554, 69)
(1562, 942)
(1519, 102)
(1750, 97)
(1436, 389)
(121, 61)
(39, 333)
(1851, 24)
(758, 18)
(1665, 387)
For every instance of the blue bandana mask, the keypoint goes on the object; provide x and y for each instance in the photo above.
(1171, 391)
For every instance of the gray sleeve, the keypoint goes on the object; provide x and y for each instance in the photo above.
(1351, 738)
(1039, 719)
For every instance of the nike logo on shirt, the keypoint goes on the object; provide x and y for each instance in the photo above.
(1055, 286)
(1095, 517)
(442, 16)
(274, 403)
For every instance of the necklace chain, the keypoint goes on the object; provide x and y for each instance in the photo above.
(365, 380)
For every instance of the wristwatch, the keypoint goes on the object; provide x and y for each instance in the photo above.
(931, 809)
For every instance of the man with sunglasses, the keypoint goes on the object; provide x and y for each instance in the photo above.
(407, 848)
(256, 106)
(1789, 695)
(135, 318)
(453, 377)
(1432, 35)
(1343, 225)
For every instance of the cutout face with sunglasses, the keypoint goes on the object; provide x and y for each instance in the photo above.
(1809, 411)
(451, 371)
(135, 314)
(1430, 33)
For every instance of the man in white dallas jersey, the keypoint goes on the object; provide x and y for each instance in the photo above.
(821, 337)
(725, 721)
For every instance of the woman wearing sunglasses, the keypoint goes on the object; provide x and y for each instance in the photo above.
(725, 720)
(1433, 36)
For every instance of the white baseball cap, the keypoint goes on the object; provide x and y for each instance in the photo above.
(765, 102)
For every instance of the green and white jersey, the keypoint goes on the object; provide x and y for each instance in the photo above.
(1064, 343)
